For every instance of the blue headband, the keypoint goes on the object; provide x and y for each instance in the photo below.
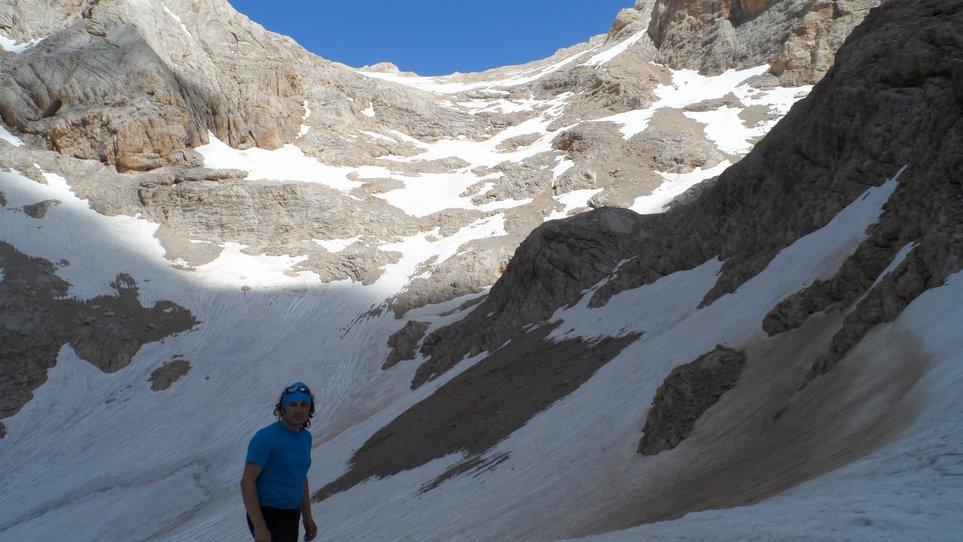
(296, 392)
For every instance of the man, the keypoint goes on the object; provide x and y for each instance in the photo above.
(275, 484)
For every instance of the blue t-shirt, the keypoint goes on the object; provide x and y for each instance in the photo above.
(285, 457)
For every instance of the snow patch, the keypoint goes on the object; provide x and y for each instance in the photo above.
(424, 246)
(12, 46)
(689, 87)
(686, 88)
(9, 137)
(304, 127)
(614, 51)
(429, 193)
(446, 84)
(576, 199)
(288, 163)
(178, 19)
(673, 185)
(376, 135)
(337, 245)
(724, 128)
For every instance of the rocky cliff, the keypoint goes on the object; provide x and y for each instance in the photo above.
(877, 112)
(798, 38)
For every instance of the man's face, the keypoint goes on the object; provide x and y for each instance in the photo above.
(296, 413)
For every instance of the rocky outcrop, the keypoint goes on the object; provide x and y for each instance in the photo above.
(798, 38)
(877, 110)
(554, 264)
(39, 210)
(630, 20)
(167, 95)
(37, 318)
(404, 343)
(685, 395)
(26, 21)
(169, 372)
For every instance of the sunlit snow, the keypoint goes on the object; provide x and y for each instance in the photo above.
(614, 51)
(10, 138)
(288, 163)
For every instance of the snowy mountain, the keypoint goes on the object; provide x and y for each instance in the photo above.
(637, 290)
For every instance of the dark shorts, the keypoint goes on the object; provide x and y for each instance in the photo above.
(283, 523)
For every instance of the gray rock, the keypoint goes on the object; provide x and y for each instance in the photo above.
(169, 372)
(404, 343)
(39, 210)
(685, 395)
(798, 38)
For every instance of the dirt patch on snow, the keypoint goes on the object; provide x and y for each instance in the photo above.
(481, 406)
(764, 436)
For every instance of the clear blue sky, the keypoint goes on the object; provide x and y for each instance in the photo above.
(433, 37)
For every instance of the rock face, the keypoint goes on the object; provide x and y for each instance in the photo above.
(169, 372)
(25, 21)
(875, 112)
(186, 69)
(797, 37)
(554, 264)
(687, 392)
(404, 343)
(154, 109)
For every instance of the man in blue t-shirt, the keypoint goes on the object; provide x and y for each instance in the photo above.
(275, 484)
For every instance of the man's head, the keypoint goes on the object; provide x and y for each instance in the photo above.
(295, 407)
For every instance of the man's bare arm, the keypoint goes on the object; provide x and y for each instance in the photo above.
(311, 529)
(249, 495)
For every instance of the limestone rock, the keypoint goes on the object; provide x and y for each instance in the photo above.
(404, 343)
(797, 37)
(169, 372)
(685, 395)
